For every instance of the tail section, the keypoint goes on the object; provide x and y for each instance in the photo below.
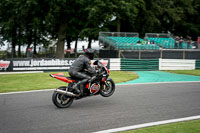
(61, 77)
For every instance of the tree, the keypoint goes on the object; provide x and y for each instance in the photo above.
(190, 20)
(125, 11)
(96, 14)
(58, 19)
(9, 22)
(22, 23)
(32, 22)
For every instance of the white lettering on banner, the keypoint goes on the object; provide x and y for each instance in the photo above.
(4, 64)
(34, 63)
(44, 64)
(21, 63)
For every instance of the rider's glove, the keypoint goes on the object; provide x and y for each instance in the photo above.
(97, 71)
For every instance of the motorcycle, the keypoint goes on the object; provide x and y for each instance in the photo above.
(64, 96)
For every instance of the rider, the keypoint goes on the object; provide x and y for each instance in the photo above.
(79, 68)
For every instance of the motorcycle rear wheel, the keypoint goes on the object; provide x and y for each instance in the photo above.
(60, 100)
(108, 88)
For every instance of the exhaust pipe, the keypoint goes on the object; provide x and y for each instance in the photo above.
(66, 93)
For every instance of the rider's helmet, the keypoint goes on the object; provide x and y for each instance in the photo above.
(90, 53)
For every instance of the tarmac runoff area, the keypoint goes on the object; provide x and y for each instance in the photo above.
(161, 77)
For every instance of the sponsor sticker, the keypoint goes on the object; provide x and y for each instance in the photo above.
(104, 62)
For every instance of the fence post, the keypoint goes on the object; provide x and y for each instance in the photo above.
(119, 51)
(183, 54)
(139, 55)
(161, 53)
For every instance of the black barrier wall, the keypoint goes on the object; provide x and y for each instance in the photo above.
(164, 54)
(192, 55)
(172, 55)
(150, 55)
(130, 54)
(40, 64)
(108, 54)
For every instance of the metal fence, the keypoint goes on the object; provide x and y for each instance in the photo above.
(164, 54)
(151, 54)
(157, 35)
(118, 34)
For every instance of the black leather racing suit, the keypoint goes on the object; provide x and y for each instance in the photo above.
(77, 70)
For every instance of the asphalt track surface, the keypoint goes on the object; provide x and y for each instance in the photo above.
(130, 105)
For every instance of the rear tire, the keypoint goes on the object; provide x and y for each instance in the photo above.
(60, 100)
(107, 89)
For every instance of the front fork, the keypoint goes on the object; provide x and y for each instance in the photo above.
(105, 85)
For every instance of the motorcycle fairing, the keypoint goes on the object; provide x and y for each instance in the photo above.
(62, 77)
(87, 85)
(93, 88)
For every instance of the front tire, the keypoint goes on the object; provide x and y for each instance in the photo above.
(60, 100)
(107, 88)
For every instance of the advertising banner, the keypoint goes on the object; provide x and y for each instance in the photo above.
(40, 64)
(4, 65)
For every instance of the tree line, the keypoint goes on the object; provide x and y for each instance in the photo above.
(34, 22)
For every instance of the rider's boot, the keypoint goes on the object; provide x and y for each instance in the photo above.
(79, 87)
(76, 88)
(82, 86)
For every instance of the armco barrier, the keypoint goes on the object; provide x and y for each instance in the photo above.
(197, 64)
(139, 65)
(176, 64)
(115, 64)
(125, 64)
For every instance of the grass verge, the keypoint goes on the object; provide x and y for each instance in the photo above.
(187, 72)
(180, 127)
(38, 81)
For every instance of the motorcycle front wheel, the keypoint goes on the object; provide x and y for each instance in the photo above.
(60, 100)
(107, 88)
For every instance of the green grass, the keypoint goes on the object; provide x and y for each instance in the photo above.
(181, 127)
(188, 72)
(38, 81)
(122, 76)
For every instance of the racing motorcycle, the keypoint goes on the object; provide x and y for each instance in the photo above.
(64, 96)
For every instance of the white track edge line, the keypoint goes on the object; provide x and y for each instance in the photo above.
(4, 73)
(148, 124)
(20, 92)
